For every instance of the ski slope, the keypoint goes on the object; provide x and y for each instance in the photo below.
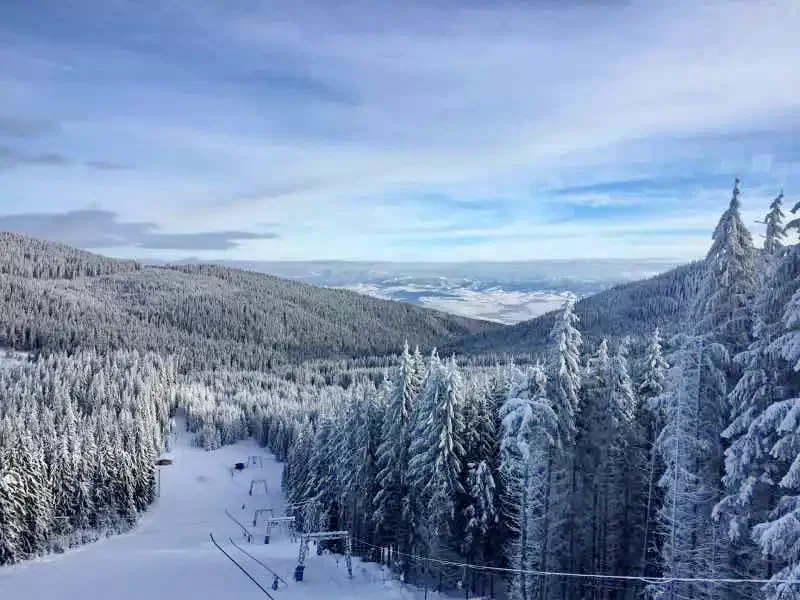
(169, 555)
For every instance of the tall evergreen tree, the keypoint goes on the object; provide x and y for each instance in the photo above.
(529, 432)
(654, 369)
(723, 308)
(696, 404)
(751, 471)
(775, 233)
(762, 467)
(566, 378)
(393, 454)
(647, 424)
(437, 453)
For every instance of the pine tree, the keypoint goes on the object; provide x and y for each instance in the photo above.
(566, 370)
(529, 433)
(751, 472)
(775, 233)
(601, 501)
(643, 457)
(392, 459)
(723, 307)
(654, 371)
(481, 513)
(482, 457)
(696, 404)
(12, 511)
(775, 428)
(436, 455)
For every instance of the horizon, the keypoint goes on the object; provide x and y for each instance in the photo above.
(440, 132)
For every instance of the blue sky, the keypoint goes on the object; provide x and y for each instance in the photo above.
(424, 131)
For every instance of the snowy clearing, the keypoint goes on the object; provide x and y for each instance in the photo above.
(10, 359)
(169, 554)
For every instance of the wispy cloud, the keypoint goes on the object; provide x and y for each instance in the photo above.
(105, 165)
(102, 229)
(356, 127)
(22, 127)
(11, 158)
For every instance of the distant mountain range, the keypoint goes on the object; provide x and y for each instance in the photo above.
(54, 297)
(504, 292)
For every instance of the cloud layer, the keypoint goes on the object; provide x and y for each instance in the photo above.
(415, 130)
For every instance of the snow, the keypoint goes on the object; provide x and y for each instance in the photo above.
(492, 304)
(10, 359)
(169, 554)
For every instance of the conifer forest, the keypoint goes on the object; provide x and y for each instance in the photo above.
(641, 442)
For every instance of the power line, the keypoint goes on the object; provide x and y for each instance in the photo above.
(650, 580)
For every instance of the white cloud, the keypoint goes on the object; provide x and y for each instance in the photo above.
(504, 100)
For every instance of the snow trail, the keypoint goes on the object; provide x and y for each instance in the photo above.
(169, 555)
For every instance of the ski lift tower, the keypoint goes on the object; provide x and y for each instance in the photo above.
(287, 522)
(321, 536)
(255, 482)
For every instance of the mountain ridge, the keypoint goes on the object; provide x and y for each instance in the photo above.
(55, 297)
(634, 308)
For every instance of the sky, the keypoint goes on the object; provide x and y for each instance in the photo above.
(443, 130)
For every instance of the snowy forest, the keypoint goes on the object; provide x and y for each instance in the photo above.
(605, 462)
(78, 437)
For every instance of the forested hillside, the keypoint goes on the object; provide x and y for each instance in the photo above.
(78, 437)
(636, 308)
(606, 470)
(610, 463)
(30, 257)
(53, 298)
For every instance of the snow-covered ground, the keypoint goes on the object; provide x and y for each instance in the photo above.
(169, 555)
(489, 303)
(11, 358)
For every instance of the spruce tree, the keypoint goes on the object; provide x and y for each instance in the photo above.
(775, 233)
(722, 312)
(437, 453)
(529, 430)
(774, 429)
(564, 382)
(393, 454)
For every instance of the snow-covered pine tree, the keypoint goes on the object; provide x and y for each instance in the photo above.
(778, 532)
(436, 456)
(654, 368)
(685, 550)
(723, 327)
(12, 510)
(722, 312)
(775, 234)
(481, 513)
(529, 433)
(506, 504)
(482, 458)
(646, 426)
(323, 485)
(751, 472)
(393, 455)
(360, 485)
(601, 496)
(566, 371)
(564, 386)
